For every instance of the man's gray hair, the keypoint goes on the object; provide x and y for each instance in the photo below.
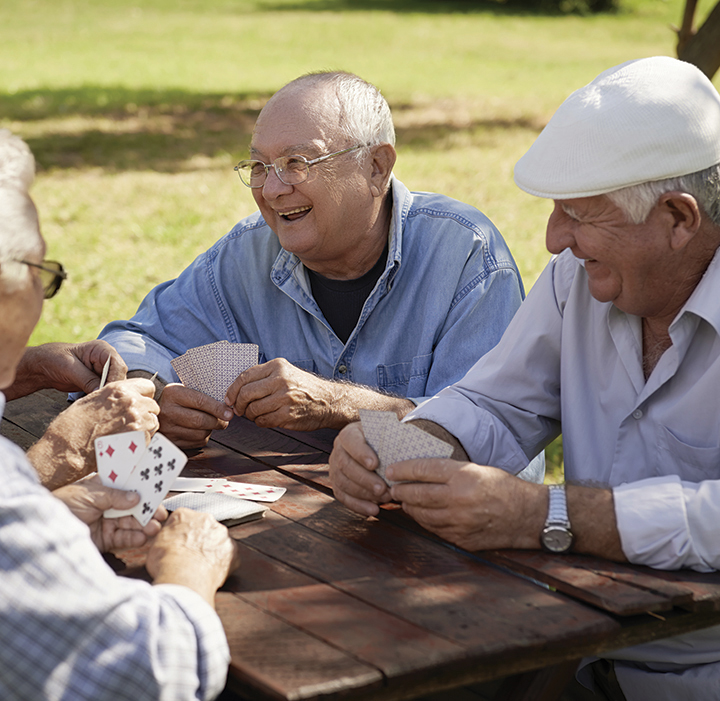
(19, 232)
(636, 201)
(365, 116)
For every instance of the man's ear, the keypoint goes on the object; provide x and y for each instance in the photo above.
(383, 160)
(685, 217)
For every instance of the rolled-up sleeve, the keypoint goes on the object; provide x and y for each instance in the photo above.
(667, 524)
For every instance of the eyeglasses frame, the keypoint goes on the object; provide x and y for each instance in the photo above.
(308, 163)
(53, 286)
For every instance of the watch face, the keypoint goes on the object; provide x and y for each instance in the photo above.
(557, 539)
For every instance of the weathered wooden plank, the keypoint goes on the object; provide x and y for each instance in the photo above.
(371, 634)
(34, 412)
(609, 586)
(282, 661)
(292, 451)
(19, 436)
(705, 587)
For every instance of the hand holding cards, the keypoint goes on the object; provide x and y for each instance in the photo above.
(123, 462)
(211, 369)
(394, 442)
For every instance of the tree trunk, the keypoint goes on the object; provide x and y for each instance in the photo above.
(703, 49)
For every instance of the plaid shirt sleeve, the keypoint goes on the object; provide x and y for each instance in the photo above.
(72, 629)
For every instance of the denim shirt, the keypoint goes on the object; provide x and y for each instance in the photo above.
(449, 289)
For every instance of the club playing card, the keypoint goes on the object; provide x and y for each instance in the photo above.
(230, 510)
(398, 441)
(152, 478)
(243, 490)
(117, 455)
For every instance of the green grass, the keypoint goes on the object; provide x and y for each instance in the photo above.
(137, 112)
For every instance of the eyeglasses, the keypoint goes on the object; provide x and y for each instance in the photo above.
(51, 275)
(292, 170)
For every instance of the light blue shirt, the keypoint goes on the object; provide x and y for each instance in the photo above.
(448, 291)
(568, 360)
(73, 629)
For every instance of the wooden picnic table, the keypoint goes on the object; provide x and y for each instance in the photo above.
(328, 604)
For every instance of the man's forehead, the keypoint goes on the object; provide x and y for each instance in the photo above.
(296, 121)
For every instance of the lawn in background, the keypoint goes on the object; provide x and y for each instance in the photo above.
(137, 112)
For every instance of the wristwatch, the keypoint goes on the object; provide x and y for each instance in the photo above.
(556, 536)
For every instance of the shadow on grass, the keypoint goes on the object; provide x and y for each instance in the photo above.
(121, 129)
(525, 8)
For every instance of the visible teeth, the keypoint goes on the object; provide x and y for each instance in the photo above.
(295, 211)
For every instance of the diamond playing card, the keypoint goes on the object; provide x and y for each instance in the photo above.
(117, 455)
(394, 442)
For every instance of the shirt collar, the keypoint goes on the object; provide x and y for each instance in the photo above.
(704, 299)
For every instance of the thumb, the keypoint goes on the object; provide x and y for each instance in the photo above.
(120, 499)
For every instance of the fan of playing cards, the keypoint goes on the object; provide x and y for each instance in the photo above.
(393, 441)
(213, 368)
(123, 462)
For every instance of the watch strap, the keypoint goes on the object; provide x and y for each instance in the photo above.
(557, 507)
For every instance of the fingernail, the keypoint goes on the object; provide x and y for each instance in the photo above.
(378, 489)
(227, 414)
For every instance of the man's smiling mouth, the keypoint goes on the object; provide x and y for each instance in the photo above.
(293, 214)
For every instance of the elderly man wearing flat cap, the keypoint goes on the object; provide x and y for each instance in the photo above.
(618, 347)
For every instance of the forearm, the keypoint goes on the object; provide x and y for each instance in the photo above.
(56, 461)
(592, 517)
(29, 376)
(346, 399)
(197, 576)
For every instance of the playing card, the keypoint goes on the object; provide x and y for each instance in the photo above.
(243, 490)
(223, 507)
(374, 424)
(398, 441)
(103, 378)
(152, 478)
(117, 455)
(212, 368)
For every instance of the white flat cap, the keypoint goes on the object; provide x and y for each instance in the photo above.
(644, 120)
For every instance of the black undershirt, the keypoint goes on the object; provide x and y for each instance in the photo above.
(341, 301)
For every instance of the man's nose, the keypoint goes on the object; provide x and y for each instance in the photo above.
(273, 186)
(559, 233)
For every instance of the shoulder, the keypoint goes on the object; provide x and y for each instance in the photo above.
(441, 208)
(250, 239)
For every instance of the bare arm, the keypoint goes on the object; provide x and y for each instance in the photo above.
(278, 394)
(65, 366)
(66, 451)
(193, 550)
(474, 506)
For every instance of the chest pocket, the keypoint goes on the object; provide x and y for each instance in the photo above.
(408, 379)
(691, 463)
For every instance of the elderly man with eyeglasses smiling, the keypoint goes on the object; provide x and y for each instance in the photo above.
(358, 292)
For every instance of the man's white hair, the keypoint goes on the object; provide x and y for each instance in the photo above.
(636, 201)
(365, 116)
(19, 231)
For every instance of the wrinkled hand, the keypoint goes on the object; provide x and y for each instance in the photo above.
(352, 472)
(194, 550)
(66, 452)
(472, 506)
(66, 367)
(188, 417)
(277, 394)
(88, 500)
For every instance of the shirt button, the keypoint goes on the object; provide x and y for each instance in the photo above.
(637, 414)
(342, 369)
